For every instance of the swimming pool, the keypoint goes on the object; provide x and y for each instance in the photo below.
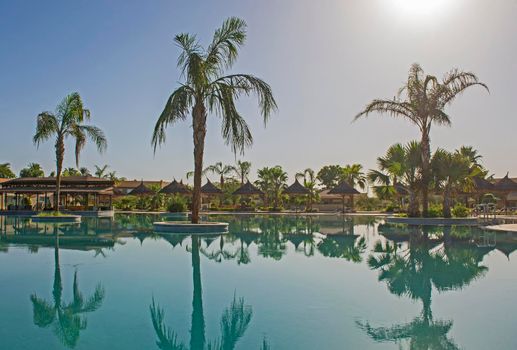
(272, 282)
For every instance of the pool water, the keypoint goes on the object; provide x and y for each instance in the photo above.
(272, 282)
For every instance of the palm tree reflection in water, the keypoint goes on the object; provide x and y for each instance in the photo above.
(67, 319)
(234, 321)
(412, 272)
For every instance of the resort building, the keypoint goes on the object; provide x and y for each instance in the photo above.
(78, 193)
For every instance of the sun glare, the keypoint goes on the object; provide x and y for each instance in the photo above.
(419, 8)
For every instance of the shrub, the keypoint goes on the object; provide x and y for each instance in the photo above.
(460, 211)
(435, 211)
(177, 204)
(125, 203)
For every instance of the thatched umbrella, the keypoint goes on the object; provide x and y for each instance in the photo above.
(141, 190)
(297, 189)
(344, 189)
(210, 189)
(248, 190)
(505, 186)
(175, 187)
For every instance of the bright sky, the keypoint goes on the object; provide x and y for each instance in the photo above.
(324, 59)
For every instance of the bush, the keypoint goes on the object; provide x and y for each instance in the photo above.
(177, 204)
(125, 203)
(460, 211)
(435, 211)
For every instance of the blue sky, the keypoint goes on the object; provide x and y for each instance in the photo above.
(324, 59)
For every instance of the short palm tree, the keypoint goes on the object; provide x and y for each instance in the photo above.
(71, 172)
(353, 175)
(84, 171)
(272, 181)
(400, 165)
(452, 174)
(310, 183)
(100, 171)
(424, 105)
(6, 172)
(242, 170)
(32, 170)
(206, 90)
(67, 121)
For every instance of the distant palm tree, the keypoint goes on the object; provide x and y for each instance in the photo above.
(206, 90)
(32, 170)
(219, 169)
(424, 105)
(67, 122)
(400, 165)
(353, 175)
(309, 182)
(71, 172)
(242, 170)
(101, 171)
(272, 182)
(6, 172)
(84, 171)
(452, 175)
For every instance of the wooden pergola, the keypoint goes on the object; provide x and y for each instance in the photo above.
(77, 193)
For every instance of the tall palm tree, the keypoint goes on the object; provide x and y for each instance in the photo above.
(100, 171)
(6, 172)
(219, 169)
(424, 105)
(207, 90)
(242, 170)
(67, 121)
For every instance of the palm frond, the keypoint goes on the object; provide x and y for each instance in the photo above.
(393, 108)
(223, 50)
(176, 108)
(46, 127)
(248, 84)
(96, 135)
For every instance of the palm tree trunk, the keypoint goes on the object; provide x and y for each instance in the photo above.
(413, 204)
(447, 203)
(199, 131)
(426, 159)
(197, 332)
(60, 152)
(57, 289)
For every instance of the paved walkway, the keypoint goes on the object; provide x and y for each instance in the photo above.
(503, 228)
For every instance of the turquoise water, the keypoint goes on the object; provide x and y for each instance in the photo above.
(271, 283)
